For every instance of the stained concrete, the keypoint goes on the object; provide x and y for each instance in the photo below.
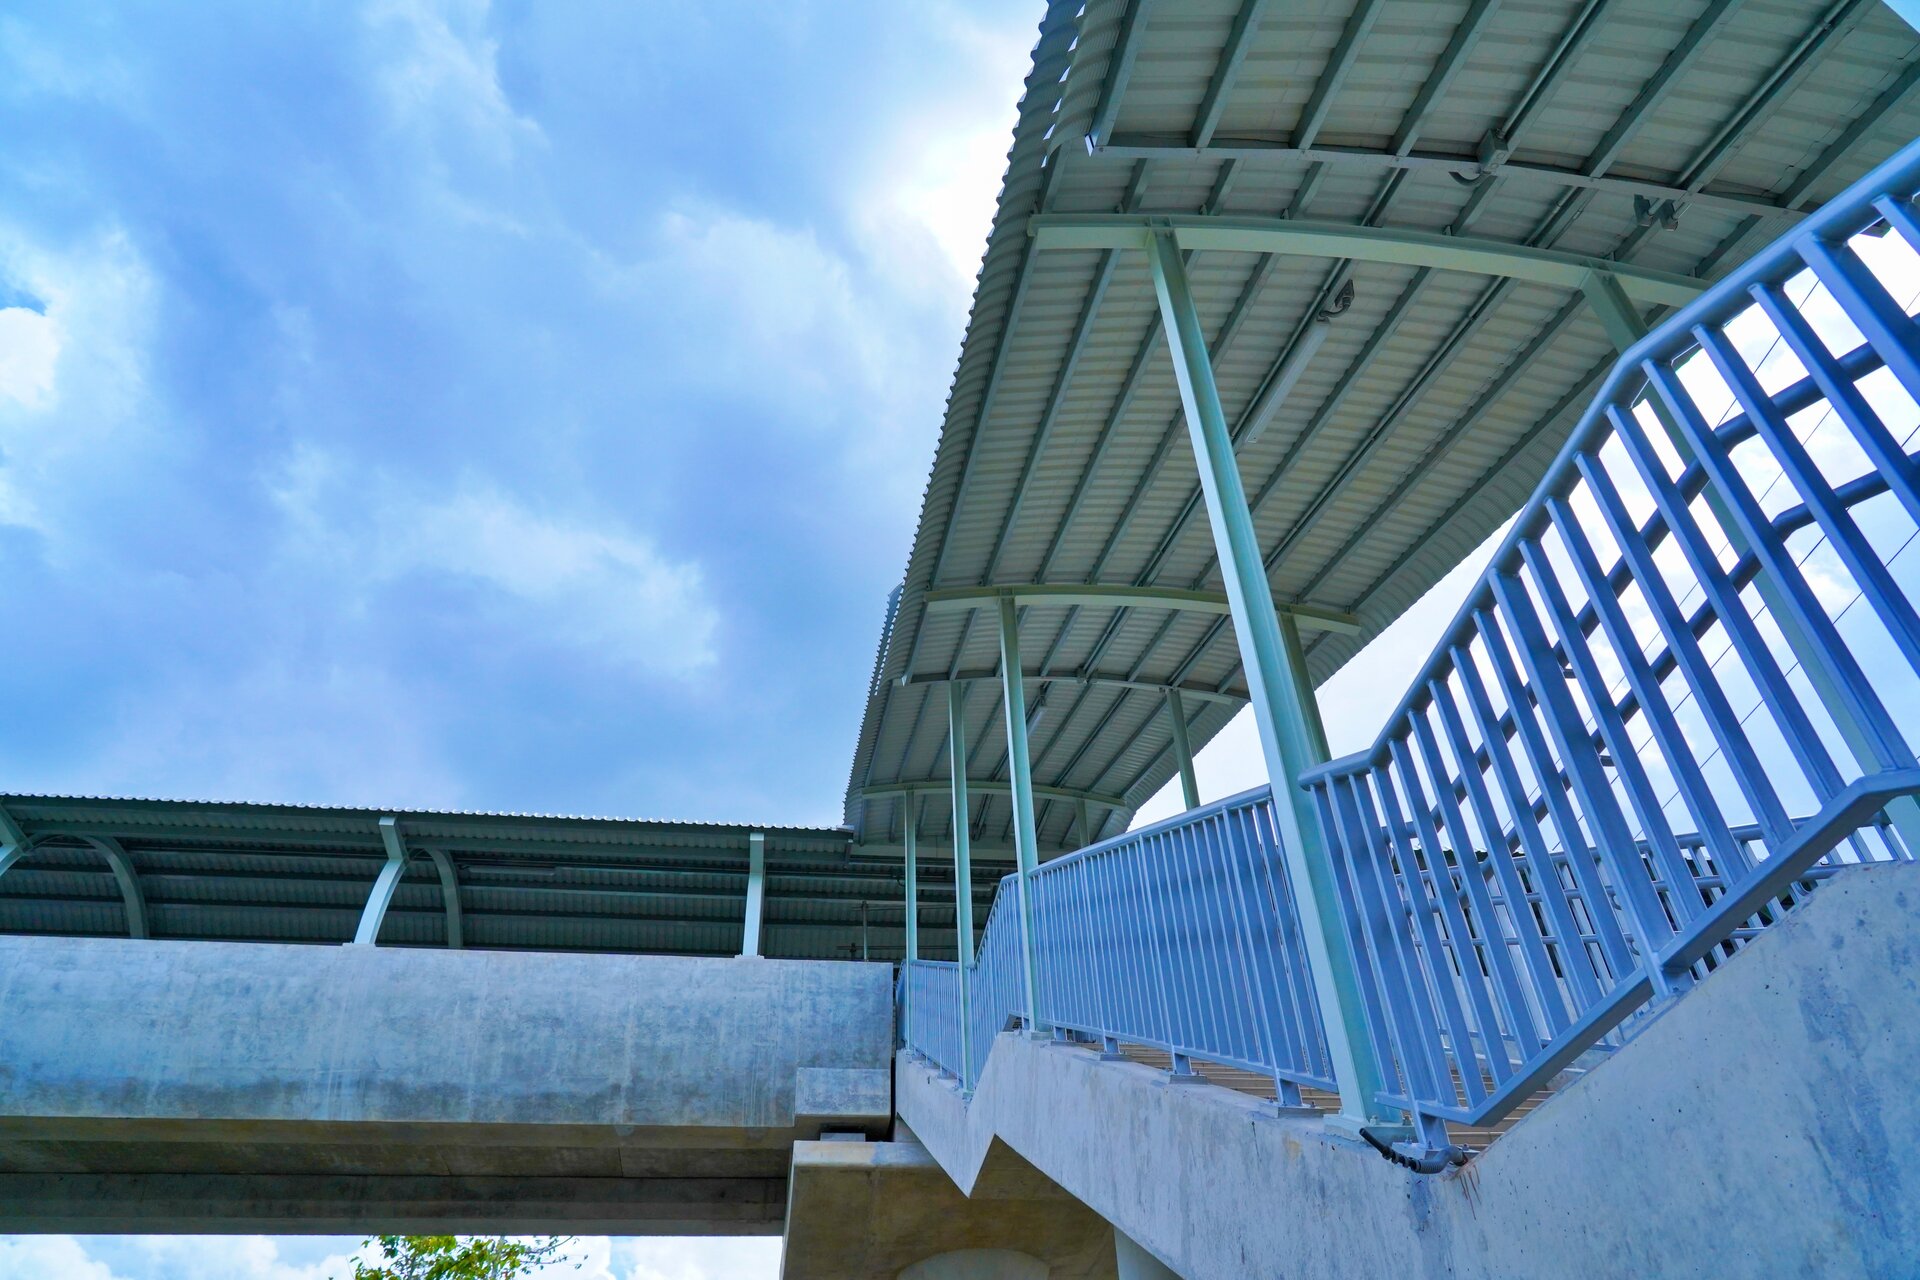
(1764, 1125)
(234, 1086)
(880, 1210)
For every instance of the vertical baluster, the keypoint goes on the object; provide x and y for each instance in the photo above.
(1780, 699)
(1614, 843)
(1749, 774)
(1296, 985)
(1606, 929)
(1681, 757)
(1442, 986)
(1536, 966)
(1498, 962)
(1661, 843)
(1263, 931)
(1886, 596)
(1410, 1021)
(1844, 676)
(1575, 963)
(1888, 455)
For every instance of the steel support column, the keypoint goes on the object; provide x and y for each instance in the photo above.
(756, 893)
(1026, 839)
(1286, 740)
(911, 834)
(1183, 749)
(1624, 326)
(384, 885)
(962, 866)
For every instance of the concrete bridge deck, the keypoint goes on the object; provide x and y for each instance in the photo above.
(195, 1086)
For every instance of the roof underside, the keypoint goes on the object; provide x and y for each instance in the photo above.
(287, 873)
(1435, 404)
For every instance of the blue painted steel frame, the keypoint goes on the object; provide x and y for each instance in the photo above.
(1511, 886)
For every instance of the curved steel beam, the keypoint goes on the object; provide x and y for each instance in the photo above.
(450, 896)
(1400, 245)
(939, 786)
(123, 874)
(1098, 596)
(1206, 693)
(384, 885)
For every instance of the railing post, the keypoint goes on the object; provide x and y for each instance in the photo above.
(1624, 326)
(962, 866)
(1020, 774)
(1182, 749)
(1286, 720)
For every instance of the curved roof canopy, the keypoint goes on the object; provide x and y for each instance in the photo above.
(1436, 180)
(291, 873)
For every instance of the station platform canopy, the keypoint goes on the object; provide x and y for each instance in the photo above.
(293, 873)
(1417, 232)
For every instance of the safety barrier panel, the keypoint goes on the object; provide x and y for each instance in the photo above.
(1180, 936)
(1702, 623)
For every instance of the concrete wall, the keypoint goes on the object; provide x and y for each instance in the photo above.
(1764, 1125)
(216, 1086)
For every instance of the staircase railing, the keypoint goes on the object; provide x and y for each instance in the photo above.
(1181, 936)
(1701, 623)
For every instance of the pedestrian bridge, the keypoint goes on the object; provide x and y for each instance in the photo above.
(1597, 958)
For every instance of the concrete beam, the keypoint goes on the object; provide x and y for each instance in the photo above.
(205, 1086)
(1356, 243)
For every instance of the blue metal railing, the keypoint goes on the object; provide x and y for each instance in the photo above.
(1661, 662)
(1583, 803)
(1180, 936)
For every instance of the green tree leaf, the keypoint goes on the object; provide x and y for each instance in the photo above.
(456, 1257)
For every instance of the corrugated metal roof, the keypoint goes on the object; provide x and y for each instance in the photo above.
(294, 873)
(1438, 399)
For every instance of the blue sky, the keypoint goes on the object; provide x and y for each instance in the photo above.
(518, 406)
(514, 407)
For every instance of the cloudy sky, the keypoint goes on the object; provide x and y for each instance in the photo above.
(520, 406)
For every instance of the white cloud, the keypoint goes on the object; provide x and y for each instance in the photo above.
(944, 158)
(163, 1258)
(29, 350)
(49, 1256)
(75, 412)
(606, 591)
(442, 72)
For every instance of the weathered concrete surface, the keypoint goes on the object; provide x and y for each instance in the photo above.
(1763, 1126)
(212, 1086)
(873, 1210)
